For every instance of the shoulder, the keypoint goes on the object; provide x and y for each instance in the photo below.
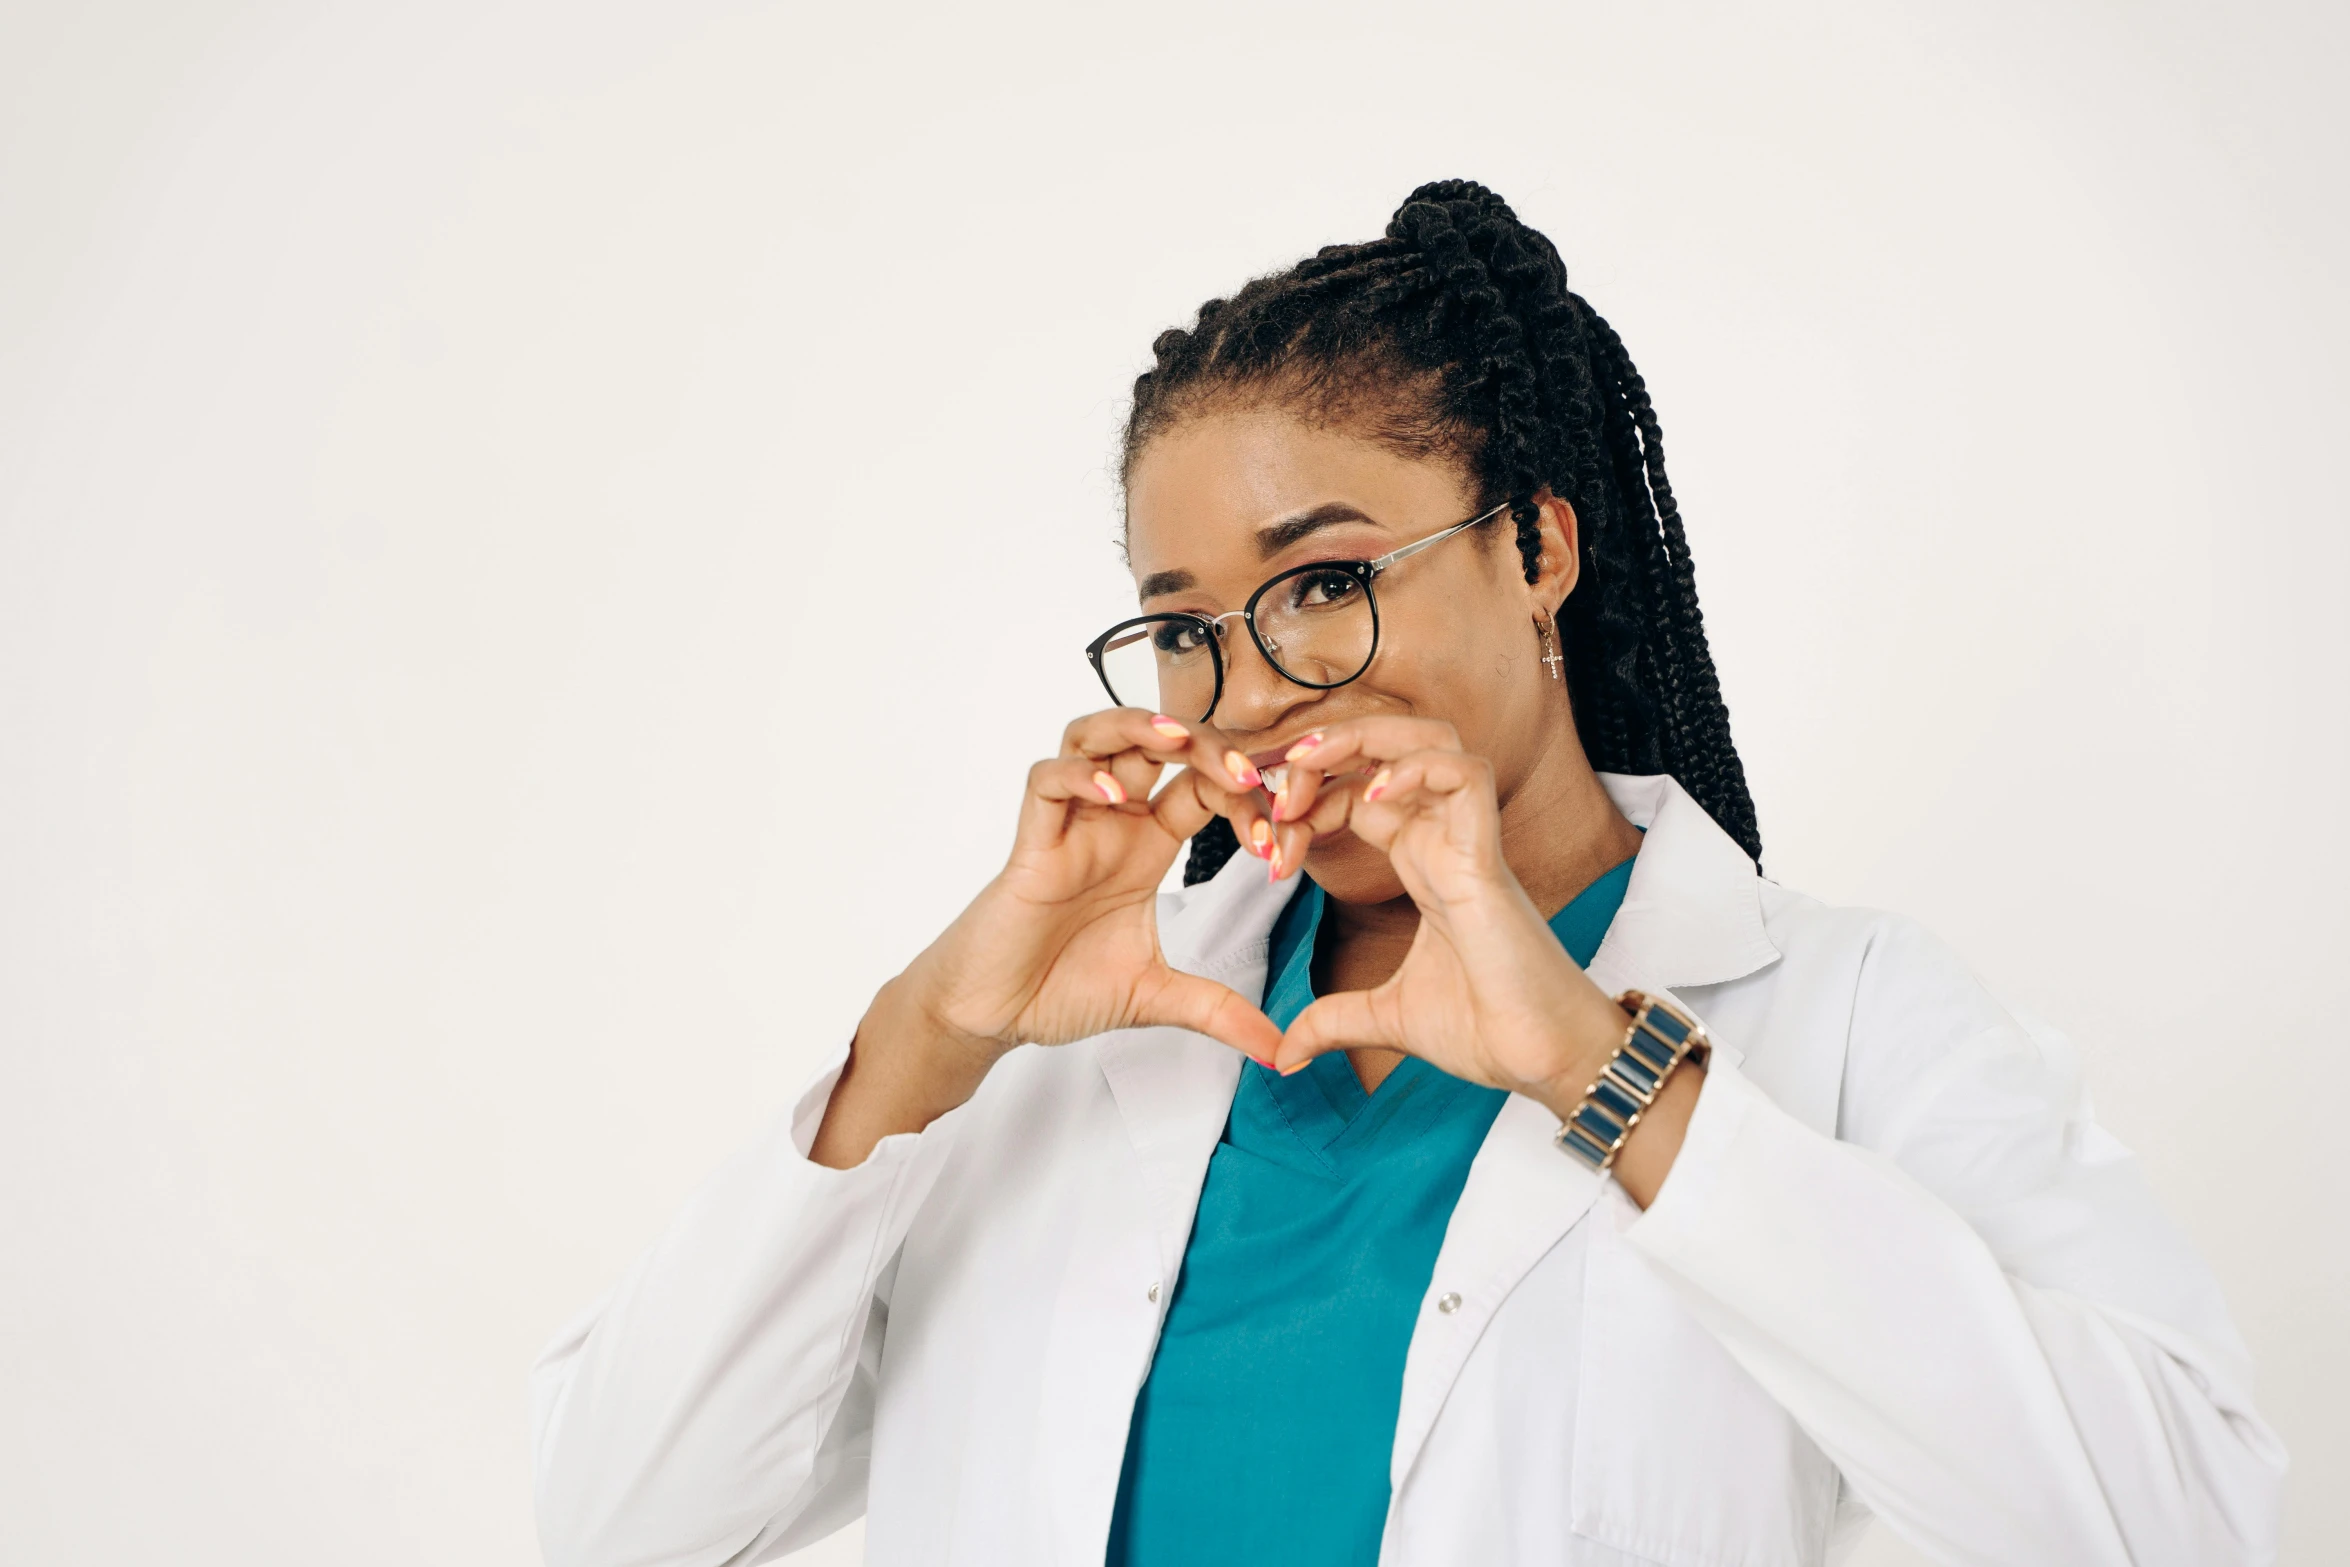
(1896, 971)
(1922, 1046)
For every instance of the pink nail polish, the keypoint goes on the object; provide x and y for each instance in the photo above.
(1112, 790)
(1378, 785)
(1302, 747)
(1242, 769)
(1168, 727)
(1260, 837)
(1295, 1067)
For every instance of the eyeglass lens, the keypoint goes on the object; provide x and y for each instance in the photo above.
(1315, 624)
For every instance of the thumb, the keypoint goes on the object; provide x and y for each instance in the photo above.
(1205, 1007)
(1333, 1022)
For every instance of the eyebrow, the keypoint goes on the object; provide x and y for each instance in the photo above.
(1272, 539)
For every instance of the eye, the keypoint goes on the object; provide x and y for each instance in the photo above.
(1326, 589)
(1178, 638)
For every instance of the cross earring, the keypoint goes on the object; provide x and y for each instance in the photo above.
(1550, 653)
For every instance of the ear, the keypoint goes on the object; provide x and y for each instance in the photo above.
(1561, 563)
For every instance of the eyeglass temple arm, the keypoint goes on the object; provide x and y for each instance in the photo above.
(1417, 545)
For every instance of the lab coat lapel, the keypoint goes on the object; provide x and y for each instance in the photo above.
(1174, 1087)
(1691, 916)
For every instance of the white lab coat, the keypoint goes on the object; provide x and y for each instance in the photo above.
(1896, 1268)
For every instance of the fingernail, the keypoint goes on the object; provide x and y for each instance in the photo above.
(1242, 769)
(1378, 785)
(1168, 727)
(1266, 1062)
(1112, 790)
(1302, 747)
(1273, 866)
(1295, 1067)
(1260, 837)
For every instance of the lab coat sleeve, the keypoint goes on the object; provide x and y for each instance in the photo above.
(1969, 1298)
(716, 1406)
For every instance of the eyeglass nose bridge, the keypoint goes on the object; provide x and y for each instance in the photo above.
(1215, 623)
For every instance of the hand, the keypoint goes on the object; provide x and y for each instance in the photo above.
(1485, 993)
(1064, 943)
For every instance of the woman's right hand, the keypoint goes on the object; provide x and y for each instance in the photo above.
(1064, 942)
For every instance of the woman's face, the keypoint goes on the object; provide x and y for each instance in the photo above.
(1220, 502)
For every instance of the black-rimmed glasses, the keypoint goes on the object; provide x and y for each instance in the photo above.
(1317, 625)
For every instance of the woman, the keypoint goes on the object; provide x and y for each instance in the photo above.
(1488, 1165)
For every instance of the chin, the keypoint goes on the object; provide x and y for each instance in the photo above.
(1351, 871)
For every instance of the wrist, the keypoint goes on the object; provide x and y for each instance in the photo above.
(1594, 1029)
(910, 1035)
(906, 1068)
(1641, 1083)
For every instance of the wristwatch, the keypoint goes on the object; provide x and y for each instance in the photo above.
(1661, 1037)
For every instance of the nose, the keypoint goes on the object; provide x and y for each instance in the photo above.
(1256, 695)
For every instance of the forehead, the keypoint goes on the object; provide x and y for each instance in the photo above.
(1200, 491)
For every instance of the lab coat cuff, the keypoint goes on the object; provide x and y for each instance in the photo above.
(889, 1155)
(807, 1111)
(1676, 1219)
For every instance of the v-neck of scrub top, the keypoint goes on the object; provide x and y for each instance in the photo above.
(1265, 1427)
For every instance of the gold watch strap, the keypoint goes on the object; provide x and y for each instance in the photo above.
(1661, 1036)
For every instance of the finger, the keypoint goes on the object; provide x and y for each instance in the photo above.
(1426, 774)
(1193, 796)
(1349, 744)
(1205, 1007)
(1295, 786)
(1217, 778)
(1057, 786)
(1330, 811)
(1104, 734)
(1285, 856)
(1187, 804)
(1252, 823)
(1296, 780)
(1334, 1022)
(1137, 772)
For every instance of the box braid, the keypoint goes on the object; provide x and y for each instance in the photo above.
(1454, 336)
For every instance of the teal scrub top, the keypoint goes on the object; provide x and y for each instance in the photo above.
(1264, 1429)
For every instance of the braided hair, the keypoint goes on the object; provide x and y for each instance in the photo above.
(1454, 337)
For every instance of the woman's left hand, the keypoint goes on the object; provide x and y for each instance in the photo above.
(1486, 992)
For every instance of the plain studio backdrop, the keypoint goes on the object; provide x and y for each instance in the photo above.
(536, 544)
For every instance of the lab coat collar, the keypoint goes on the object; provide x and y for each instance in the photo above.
(1693, 913)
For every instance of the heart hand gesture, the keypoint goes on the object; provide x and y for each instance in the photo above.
(1485, 993)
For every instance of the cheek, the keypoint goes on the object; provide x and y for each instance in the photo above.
(1459, 667)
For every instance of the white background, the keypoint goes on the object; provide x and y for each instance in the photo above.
(535, 544)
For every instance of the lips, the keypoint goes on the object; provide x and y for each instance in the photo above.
(1270, 757)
